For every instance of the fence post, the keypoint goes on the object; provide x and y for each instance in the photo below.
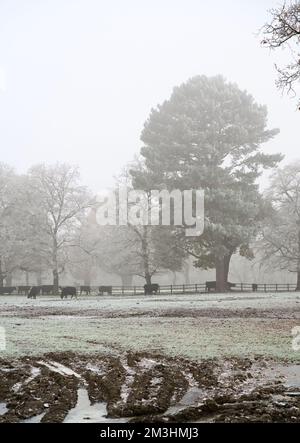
(134, 290)
(265, 287)
(183, 288)
(242, 287)
(276, 287)
(196, 287)
(171, 289)
(288, 287)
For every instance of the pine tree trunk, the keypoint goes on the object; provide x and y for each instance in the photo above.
(221, 285)
(222, 271)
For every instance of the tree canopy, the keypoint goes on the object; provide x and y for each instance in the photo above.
(209, 136)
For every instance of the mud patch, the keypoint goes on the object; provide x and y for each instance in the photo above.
(144, 387)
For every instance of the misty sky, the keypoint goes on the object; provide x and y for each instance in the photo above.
(78, 78)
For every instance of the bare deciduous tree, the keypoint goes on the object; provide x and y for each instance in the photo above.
(62, 201)
(281, 236)
(283, 30)
(13, 223)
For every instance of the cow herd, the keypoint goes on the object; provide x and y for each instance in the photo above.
(64, 292)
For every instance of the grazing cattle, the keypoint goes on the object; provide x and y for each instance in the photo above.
(151, 289)
(86, 289)
(68, 290)
(105, 289)
(212, 285)
(254, 287)
(34, 291)
(7, 290)
(47, 289)
(23, 289)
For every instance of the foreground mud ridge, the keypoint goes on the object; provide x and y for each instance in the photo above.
(140, 387)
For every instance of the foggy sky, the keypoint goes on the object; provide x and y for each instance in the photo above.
(78, 78)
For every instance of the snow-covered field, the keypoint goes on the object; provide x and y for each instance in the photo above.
(192, 326)
(140, 302)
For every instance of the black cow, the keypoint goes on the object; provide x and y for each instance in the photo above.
(212, 285)
(105, 289)
(151, 289)
(34, 291)
(47, 289)
(86, 289)
(23, 289)
(68, 290)
(7, 290)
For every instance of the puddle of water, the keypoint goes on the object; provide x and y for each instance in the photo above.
(3, 408)
(95, 369)
(126, 387)
(59, 368)
(34, 373)
(290, 375)
(193, 397)
(35, 419)
(84, 412)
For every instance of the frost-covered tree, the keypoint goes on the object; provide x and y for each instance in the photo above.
(208, 136)
(31, 227)
(61, 202)
(281, 236)
(137, 248)
(283, 31)
(83, 257)
(14, 225)
(132, 250)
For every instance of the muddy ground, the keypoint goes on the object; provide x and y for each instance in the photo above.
(141, 387)
(191, 358)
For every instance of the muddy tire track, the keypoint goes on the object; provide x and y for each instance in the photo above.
(143, 387)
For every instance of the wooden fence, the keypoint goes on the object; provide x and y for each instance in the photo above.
(200, 288)
(197, 288)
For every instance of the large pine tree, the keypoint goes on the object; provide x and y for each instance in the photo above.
(208, 136)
